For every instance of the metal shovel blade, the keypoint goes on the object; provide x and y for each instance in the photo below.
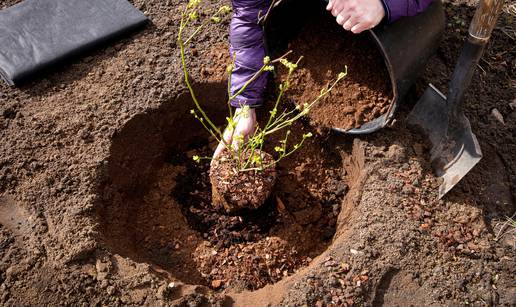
(455, 149)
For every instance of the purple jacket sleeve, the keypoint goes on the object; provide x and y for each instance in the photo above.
(395, 9)
(247, 45)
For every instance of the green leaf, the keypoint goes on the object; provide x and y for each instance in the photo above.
(193, 15)
(224, 10)
(193, 3)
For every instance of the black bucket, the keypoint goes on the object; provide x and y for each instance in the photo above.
(406, 45)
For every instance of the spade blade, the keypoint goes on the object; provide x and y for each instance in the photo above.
(455, 149)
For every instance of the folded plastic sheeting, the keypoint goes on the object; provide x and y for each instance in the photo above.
(37, 34)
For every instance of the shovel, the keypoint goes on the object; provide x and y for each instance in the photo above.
(455, 149)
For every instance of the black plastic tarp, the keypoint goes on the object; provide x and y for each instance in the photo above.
(38, 34)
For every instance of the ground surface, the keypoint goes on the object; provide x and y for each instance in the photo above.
(98, 201)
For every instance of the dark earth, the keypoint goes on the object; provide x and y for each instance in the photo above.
(101, 204)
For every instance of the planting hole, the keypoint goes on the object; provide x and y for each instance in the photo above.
(157, 202)
(157, 208)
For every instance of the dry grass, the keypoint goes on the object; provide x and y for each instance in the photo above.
(506, 228)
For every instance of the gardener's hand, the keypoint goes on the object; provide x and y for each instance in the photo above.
(245, 119)
(357, 15)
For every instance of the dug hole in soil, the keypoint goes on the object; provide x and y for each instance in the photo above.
(158, 205)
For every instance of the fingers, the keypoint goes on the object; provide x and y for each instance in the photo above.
(228, 138)
(241, 135)
(233, 141)
(334, 11)
(329, 7)
(338, 7)
(238, 140)
(341, 19)
(345, 14)
(357, 15)
(358, 28)
(218, 151)
(236, 135)
(350, 23)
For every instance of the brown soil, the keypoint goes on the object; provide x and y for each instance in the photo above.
(167, 217)
(234, 190)
(96, 187)
(362, 96)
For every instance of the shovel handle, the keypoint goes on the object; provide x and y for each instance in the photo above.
(484, 20)
(480, 30)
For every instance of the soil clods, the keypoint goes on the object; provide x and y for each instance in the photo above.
(363, 95)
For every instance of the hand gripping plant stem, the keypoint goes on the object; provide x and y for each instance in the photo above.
(247, 156)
